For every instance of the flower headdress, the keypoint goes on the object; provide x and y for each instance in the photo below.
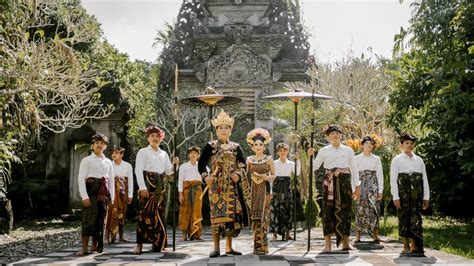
(258, 134)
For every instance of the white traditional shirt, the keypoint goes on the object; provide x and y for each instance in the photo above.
(98, 167)
(151, 160)
(125, 169)
(403, 163)
(188, 172)
(341, 157)
(286, 168)
(372, 163)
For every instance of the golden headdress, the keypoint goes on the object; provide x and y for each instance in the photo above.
(223, 118)
(258, 134)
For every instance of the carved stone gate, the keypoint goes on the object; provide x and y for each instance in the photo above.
(245, 48)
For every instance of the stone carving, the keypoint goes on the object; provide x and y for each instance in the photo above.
(238, 34)
(238, 66)
(261, 112)
(274, 49)
(276, 72)
(236, 18)
(238, 2)
(200, 70)
(204, 50)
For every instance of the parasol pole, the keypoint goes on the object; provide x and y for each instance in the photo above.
(175, 140)
(310, 200)
(296, 100)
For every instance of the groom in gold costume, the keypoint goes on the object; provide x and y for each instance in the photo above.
(224, 182)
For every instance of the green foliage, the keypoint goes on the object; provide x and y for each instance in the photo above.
(441, 233)
(359, 88)
(141, 96)
(433, 97)
(314, 214)
(7, 157)
(50, 47)
(45, 84)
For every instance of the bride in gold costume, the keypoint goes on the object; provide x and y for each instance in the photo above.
(261, 172)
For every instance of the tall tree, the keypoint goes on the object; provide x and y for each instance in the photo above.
(433, 96)
(45, 81)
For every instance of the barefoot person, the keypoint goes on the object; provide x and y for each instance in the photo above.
(227, 172)
(340, 187)
(151, 167)
(371, 188)
(96, 187)
(282, 198)
(123, 196)
(190, 191)
(411, 193)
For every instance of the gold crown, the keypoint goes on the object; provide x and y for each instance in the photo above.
(223, 119)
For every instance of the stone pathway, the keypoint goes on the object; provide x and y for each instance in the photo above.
(281, 253)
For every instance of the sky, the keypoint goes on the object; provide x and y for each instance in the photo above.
(335, 26)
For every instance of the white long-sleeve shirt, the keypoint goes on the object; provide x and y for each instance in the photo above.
(125, 169)
(151, 160)
(373, 163)
(286, 168)
(403, 163)
(188, 172)
(98, 167)
(340, 157)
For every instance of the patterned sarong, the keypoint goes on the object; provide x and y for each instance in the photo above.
(116, 216)
(260, 229)
(410, 190)
(93, 216)
(151, 225)
(190, 215)
(368, 208)
(281, 206)
(337, 203)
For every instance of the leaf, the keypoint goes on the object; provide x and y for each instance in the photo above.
(40, 32)
(471, 49)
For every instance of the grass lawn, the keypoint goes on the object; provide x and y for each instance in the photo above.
(441, 233)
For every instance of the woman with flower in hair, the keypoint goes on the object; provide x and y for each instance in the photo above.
(261, 170)
(371, 188)
(151, 166)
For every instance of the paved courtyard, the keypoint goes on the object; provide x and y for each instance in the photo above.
(281, 253)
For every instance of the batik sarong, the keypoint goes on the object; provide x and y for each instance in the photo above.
(116, 216)
(190, 215)
(337, 203)
(368, 208)
(410, 191)
(281, 208)
(151, 224)
(93, 217)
